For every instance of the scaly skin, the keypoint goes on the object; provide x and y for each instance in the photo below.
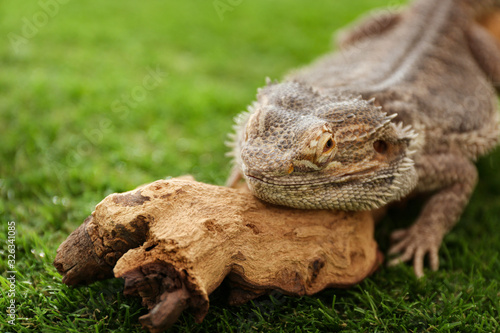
(405, 106)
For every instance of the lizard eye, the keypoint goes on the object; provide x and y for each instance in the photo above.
(380, 146)
(325, 147)
(326, 144)
(329, 145)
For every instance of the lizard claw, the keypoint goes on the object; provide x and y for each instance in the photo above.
(414, 243)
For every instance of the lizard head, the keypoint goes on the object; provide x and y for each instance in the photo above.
(299, 148)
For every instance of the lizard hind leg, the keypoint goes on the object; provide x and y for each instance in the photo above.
(374, 24)
(491, 22)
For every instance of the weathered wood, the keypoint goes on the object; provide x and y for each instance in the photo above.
(174, 241)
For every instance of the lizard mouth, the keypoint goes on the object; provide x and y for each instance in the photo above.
(349, 191)
(310, 179)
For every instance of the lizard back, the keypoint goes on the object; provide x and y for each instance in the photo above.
(421, 68)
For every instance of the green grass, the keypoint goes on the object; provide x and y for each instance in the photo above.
(68, 139)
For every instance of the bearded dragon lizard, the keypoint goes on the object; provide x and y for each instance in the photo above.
(405, 106)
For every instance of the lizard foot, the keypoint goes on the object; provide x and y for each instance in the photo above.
(416, 243)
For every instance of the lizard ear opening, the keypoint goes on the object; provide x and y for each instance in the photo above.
(380, 146)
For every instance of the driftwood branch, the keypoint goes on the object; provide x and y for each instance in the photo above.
(174, 241)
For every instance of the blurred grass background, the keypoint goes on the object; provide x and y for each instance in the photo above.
(77, 124)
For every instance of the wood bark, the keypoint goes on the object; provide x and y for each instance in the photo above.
(174, 242)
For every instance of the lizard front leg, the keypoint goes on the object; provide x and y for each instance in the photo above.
(454, 178)
(234, 177)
